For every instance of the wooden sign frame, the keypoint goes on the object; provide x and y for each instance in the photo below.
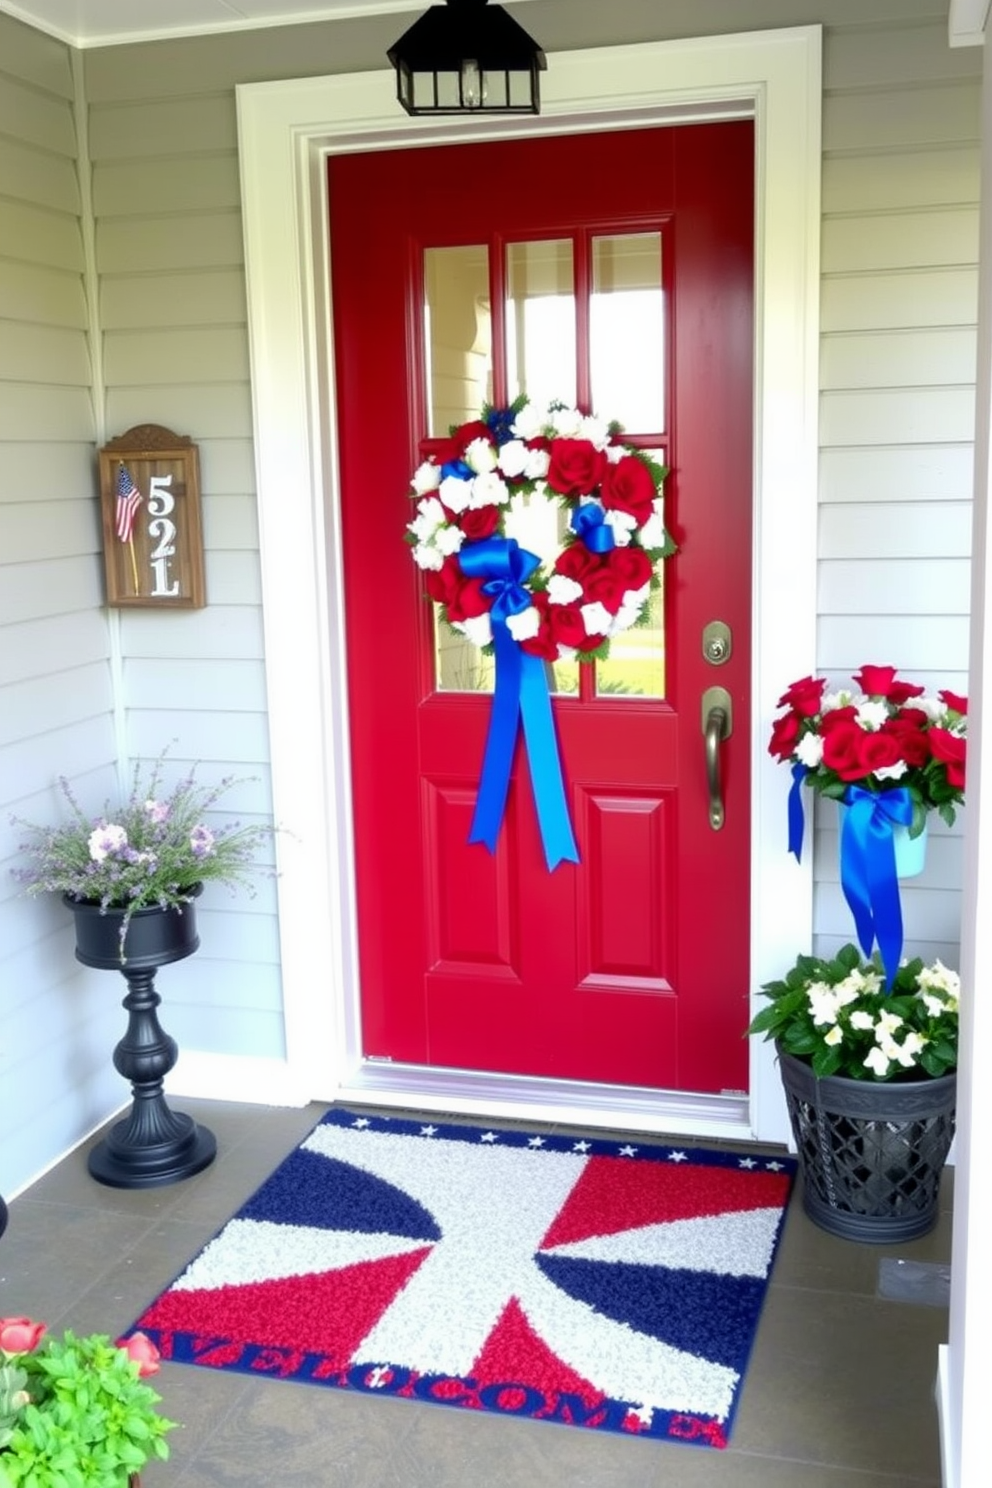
(150, 508)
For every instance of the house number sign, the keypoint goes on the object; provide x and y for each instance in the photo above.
(150, 505)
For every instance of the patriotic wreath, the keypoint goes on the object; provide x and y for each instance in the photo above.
(558, 605)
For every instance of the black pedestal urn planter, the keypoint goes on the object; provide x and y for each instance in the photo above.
(152, 1145)
(870, 1153)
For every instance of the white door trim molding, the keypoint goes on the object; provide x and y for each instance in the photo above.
(286, 131)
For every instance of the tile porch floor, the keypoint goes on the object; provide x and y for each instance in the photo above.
(839, 1393)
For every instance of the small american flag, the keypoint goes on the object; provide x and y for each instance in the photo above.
(128, 500)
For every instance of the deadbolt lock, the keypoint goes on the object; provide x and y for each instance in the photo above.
(717, 642)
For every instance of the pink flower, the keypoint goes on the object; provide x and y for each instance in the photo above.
(20, 1335)
(106, 839)
(141, 1351)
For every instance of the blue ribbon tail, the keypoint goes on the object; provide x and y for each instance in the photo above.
(868, 870)
(521, 695)
(504, 717)
(545, 764)
(796, 817)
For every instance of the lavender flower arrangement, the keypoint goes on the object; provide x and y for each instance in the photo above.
(153, 851)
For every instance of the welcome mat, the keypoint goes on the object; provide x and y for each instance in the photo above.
(602, 1283)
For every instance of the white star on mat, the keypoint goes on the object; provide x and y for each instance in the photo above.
(535, 1142)
(361, 1121)
(627, 1151)
(581, 1146)
(677, 1157)
(428, 1131)
(747, 1162)
(489, 1137)
(774, 1167)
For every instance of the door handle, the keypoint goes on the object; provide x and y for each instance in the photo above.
(717, 721)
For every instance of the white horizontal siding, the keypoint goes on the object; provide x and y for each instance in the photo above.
(913, 643)
(877, 530)
(898, 473)
(56, 695)
(886, 586)
(911, 298)
(150, 357)
(891, 118)
(900, 240)
(915, 357)
(214, 297)
(50, 646)
(872, 416)
(41, 530)
(899, 306)
(206, 685)
(209, 240)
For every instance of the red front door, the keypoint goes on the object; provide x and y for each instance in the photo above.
(632, 966)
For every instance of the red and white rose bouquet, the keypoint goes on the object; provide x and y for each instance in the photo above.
(884, 734)
(595, 579)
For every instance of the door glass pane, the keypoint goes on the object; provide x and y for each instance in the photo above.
(627, 331)
(540, 321)
(457, 335)
(459, 665)
(635, 667)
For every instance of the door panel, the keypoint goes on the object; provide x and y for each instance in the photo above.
(631, 967)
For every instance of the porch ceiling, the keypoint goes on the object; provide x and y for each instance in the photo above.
(87, 23)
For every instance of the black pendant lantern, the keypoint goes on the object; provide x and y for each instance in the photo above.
(467, 57)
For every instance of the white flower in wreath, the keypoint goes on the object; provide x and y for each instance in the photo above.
(426, 478)
(428, 558)
(530, 421)
(430, 516)
(652, 534)
(478, 629)
(524, 626)
(563, 590)
(597, 618)
(597, 431)
(480, 456)
(513, 458)
(449, 540)
(488, 489)
(455, 493)
(566, 422)
(624, 526)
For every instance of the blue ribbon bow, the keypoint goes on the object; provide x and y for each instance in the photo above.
(868, 869)
(521, 697)
(589, 522)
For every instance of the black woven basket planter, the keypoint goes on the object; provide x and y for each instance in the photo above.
(870, 1154)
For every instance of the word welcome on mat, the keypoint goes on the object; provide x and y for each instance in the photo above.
(604, 1283)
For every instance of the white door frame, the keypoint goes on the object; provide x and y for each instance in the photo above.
(286, 131)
